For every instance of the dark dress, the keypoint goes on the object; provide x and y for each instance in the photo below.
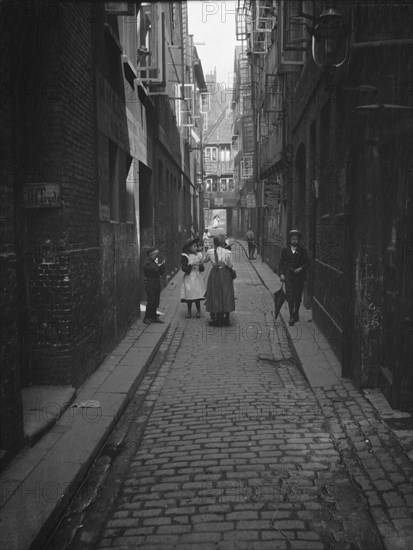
(294, 282)
(152, 273)
(220, 286)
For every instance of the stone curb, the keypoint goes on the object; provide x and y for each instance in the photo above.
(323, 373)
(38, 484)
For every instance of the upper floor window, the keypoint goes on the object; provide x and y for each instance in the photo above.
(226, 184)
(225, 153)
(150, 51)
(211, 153)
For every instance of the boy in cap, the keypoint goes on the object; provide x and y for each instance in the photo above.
(293, 266)
(152, 270)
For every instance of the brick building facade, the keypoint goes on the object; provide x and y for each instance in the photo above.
(51, 230)
(91, 159)
(337, 167)
(221, 193)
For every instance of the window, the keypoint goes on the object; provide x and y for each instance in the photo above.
(225, 153)
(128, 39)
(215, 186)
(211, 153)
(151, 43)
(294, 39)
(132, 180)
(223, 185)
(274, 93)
(185, 107)
(175, 15)
(208, 185)
(227, 185)
(205, 102)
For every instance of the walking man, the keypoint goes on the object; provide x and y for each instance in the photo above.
(152, 270)
(293, 267)
(250, 236)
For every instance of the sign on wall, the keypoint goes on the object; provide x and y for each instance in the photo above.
(42, 195)
(120, 8)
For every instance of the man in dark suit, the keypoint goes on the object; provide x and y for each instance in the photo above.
(293, 267)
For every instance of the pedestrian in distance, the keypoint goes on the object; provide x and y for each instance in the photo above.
(206, 239)
(250, 237)
(293, 267)
(152, 271)
(193, 285)
(220, 298)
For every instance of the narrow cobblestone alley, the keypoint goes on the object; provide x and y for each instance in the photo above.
(147, 146)
(238, 452)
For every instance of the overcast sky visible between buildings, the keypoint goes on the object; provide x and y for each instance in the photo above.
(213, 22)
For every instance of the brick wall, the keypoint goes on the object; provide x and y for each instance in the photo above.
(11, 421)
(54, 89)
(120, 119)
(172, 190)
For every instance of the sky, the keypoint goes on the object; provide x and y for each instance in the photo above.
(213, 22)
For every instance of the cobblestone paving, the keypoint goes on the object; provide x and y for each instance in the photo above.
(239, 453)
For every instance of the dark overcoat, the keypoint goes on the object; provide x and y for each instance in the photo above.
(294, 282)
(152, 273)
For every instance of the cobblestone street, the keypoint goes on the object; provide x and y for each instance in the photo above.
(249, 157)
(238, 452)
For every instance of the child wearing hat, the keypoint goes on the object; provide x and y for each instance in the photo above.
(193, 286)
(152, 270)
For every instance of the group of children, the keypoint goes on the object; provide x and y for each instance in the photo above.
(218, 293)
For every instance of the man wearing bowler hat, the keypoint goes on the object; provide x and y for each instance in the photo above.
(152, 270)
(293, 267)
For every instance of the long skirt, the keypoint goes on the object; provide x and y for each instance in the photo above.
(220, 291)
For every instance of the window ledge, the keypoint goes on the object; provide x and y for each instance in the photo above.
(342, 215)
(325, 217)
